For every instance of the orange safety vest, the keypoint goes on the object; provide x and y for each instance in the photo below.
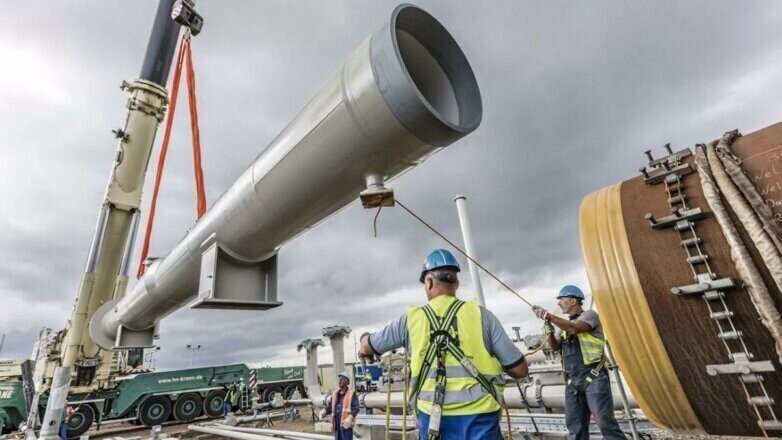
(345, 408)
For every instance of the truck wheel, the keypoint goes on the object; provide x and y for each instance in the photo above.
(214, 403)
(81, 421)
(187, 407)
(268, 393)
(288, 392)
(155, 411)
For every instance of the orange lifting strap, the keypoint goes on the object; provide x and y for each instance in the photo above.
(184, 57)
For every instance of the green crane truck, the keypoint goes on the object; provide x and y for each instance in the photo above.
(280, 380)
(153, 398)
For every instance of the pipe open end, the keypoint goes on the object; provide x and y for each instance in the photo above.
(425, 77)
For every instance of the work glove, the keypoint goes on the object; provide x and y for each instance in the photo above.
(548, 328)
(369, 359)
(540, 312)
(348, 422)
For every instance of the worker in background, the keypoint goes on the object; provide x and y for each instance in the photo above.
(231, 400)
(344, 409)
(66, 417)
(458, 351)
(234, 400)
(588, 390)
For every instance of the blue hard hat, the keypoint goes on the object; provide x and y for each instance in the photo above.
(437, 259)
(570, 291)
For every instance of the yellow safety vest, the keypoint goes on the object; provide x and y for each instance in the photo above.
(463, 394)
(592, 347)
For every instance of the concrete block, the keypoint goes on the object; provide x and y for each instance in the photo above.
(322, 427)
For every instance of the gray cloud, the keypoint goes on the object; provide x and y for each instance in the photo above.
(573, 93)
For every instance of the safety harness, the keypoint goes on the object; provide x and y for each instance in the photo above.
(582, 385)
(443, 339)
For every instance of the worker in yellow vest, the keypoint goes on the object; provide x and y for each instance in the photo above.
(458, 353)
(344, 409)
(588, 390)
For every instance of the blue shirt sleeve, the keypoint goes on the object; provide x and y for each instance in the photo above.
(394, 335)
(497, 342)
(354, 406)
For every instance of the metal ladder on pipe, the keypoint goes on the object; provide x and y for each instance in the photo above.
(671, 170)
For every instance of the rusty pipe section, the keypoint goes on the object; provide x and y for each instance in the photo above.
(405, 93)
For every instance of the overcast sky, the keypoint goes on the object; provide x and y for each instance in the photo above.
(573, 94)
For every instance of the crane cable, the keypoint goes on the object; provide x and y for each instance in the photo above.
(184, 57)
(439, 234)
(505, 285)
(510, 289)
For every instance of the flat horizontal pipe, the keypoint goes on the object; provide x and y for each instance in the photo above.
(277, 432)
(551, 396)
(230, 434)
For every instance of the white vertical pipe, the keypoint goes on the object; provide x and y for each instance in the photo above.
(57, 401)
(469, 247)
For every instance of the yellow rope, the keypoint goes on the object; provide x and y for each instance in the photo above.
(374, 222)
(546, 335)
(507, 415)
(404, 397)
(510, 289)
(388, 399)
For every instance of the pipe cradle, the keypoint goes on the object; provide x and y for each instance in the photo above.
(663, 342)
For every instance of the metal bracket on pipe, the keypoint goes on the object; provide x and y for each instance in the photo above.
(228, 281)
(680, 170)
(671, 158)
(703, 287)
(671, 220)
(376, 195)
(741, 365)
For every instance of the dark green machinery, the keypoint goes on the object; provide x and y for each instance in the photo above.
(16, 392)
(280, 380)
(12, 405)
(153, 398)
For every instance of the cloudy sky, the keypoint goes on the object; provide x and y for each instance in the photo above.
(573, 93)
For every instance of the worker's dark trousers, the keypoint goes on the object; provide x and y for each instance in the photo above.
(596, 401)
(343, 434)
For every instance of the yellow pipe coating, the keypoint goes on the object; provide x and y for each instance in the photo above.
(626, 316)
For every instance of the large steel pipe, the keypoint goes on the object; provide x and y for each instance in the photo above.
(406, 92)
(676, 347)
